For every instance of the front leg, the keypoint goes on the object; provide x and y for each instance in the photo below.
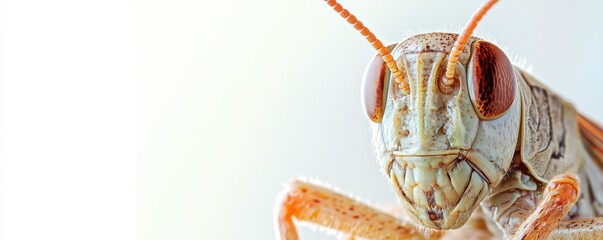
(588, 228)
(513, 206)
(522, 213)
(559, 197)
(316, 204)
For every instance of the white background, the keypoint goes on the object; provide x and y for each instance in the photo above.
(67, 119)
(238, 97)
(207, 107)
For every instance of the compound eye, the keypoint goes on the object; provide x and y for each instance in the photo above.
(491, 79)
(374, 89)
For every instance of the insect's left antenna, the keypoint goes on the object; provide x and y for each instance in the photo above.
(376, 43)
(456, 51)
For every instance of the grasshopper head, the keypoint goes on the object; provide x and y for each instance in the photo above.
(446, 109)
(443, 147)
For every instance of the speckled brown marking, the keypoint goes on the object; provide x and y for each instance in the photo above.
(434, 42)
(430, 198)
(322, 206)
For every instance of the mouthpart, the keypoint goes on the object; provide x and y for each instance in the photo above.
(439, 190)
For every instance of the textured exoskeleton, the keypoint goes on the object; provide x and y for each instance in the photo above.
(443, 159)
(492, 138)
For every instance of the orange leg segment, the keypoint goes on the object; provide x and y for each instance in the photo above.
(559, 196)
(322, 206)
(589, 228)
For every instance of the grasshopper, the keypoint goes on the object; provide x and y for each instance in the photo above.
(457, 126)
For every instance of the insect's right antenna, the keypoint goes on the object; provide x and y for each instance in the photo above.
(376, 43)
(462, 40)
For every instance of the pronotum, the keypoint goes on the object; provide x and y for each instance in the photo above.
(472, 145)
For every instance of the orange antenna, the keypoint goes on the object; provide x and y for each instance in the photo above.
(376, 43)
(462, 40)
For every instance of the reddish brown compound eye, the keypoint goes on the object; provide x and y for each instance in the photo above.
(492, 83)
(373, 89)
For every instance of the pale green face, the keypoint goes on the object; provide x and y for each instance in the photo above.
(441, 158)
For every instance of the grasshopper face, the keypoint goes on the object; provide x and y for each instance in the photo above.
(444, 147)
